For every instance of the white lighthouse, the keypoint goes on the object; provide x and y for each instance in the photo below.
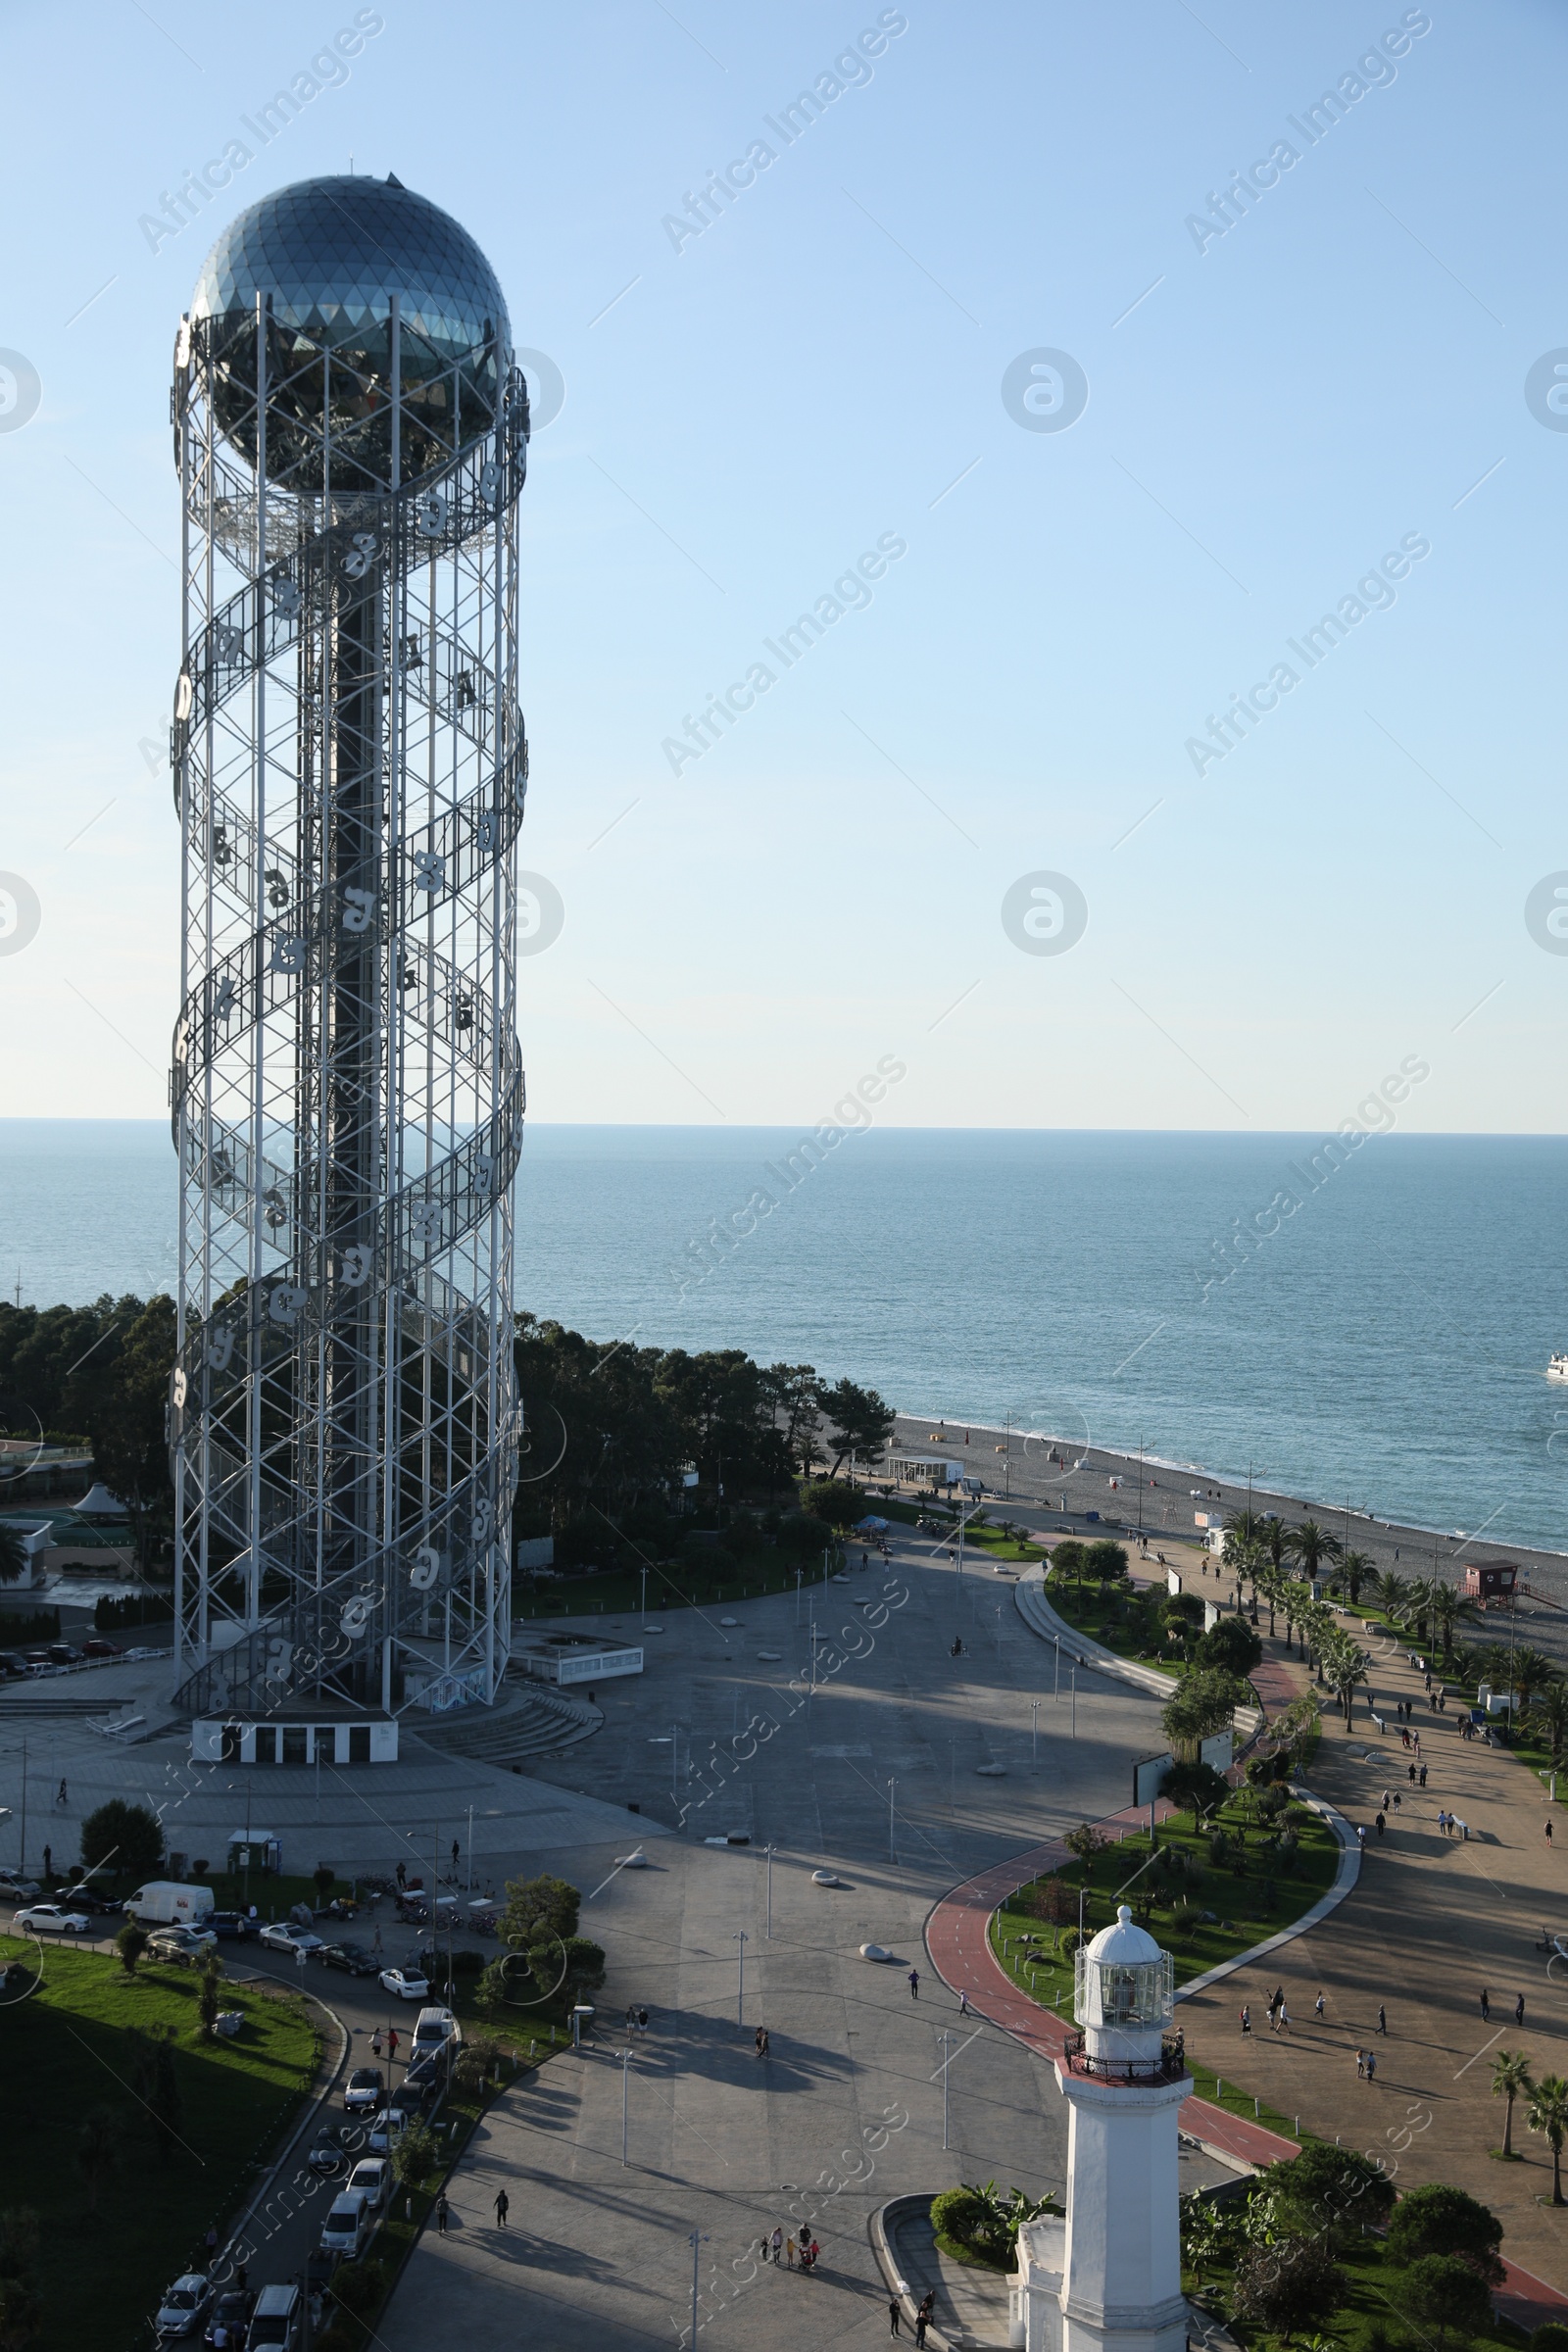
(1108, 2280)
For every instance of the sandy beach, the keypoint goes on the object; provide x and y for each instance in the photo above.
(1016, 1466)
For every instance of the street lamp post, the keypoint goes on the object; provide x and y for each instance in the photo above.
(1034, 1734)
(1075, 1702)
(1056, 1638)
(742, 1940)
(625, 2072)
(946, 2037)
(892, 1849)
(771, 1889)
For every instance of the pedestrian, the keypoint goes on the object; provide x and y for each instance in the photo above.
(1410, 1768)
(1549, 1829)
(1380, 1824)
(757, 2041)
(1371, 2066)
(789, 2247)
(963, 1997)
(920, 2327)
(376, 1944)
(503, 2208)
(1317, 2006)
(403, 1878)
(1442, 1822)
(1383, 2019)
(441, 2215)
(1519, 2010)
(375, 2042)
(454, 1853)
(1421, 1777)
(815, 2251)
(1360, 1832)
(1464, 1831)
(1246, 2018)
(1486, 2006)
(392, 2044)
(777, 2243)
(1395, 1800)
(1360, 2062)
(241, 2276)
(1285, 2019)
(914, 1984)
(48, 1863)
(61, 1798)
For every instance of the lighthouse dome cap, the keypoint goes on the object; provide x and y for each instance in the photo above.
(1124, 1945)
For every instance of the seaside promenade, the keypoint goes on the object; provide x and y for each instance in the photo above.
(1435, 1921)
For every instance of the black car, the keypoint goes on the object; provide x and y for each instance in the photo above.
(61, 1654)
(230, 1923)
(352, 1958)
(83, 1897)
(11, 1662)
(231, 2311)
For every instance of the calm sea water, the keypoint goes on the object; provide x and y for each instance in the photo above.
(1387, 1344)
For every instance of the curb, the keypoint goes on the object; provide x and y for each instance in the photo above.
(307, 2123)
(1345, 1879)
(876, 2230)
(1041, 1618)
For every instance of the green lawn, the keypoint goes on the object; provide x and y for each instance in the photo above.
(1244, 1914)
(67, 2051)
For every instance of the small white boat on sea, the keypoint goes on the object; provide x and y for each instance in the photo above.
(1557, 1369)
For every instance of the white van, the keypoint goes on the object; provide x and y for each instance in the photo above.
(165, 1904)
(347, 2225)
(434, 2028)
(276, 2321)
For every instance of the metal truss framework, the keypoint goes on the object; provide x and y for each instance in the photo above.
(350, 767)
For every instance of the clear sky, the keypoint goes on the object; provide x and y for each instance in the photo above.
(1337, 374)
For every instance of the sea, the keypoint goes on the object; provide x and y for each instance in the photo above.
(1372, 1330)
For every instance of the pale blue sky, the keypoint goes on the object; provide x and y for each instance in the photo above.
(1335, 373)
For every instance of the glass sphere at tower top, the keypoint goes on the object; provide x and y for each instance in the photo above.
(329, 254)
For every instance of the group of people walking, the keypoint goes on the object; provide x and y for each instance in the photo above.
(789, 2253)
(925, 2312)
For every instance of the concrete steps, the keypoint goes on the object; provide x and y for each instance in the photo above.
(534, 1720)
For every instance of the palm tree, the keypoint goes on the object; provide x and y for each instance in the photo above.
(1346, 1667)
(1548, 2113)
(1511, 2080)
(1312, 1545)
(1357, 1566)
(1448, 1606)
(13, 1554)
(1268, 1579)
(1391, 1591)
(1549, 1715)
(1533, 1670)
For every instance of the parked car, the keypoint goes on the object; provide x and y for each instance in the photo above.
(188, 1945)
(84, 1896)
(281, 1937)
(372, 2175)
(37, 1661)
(406, 1986)
(52, 1919)
(15, 1890)
(169, 1904)
(352, 1958)
(233, 1925)
(388, 2130)
(61, 1654)
(362, 2095)
(276, 2320)
(95, 1646)
(347, 2225)
(11, 1662)
(434, 2029)
(328, 2155)
(184, 2305)
(230, 2312)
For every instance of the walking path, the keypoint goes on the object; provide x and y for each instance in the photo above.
(957, 1939)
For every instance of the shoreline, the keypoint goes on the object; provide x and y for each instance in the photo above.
(1169, 1505)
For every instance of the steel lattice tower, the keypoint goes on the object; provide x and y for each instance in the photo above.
(350, 767)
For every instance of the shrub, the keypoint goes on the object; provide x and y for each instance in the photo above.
(1105, 1561)
(1445, 2294)
(130, 1944)
(965, 2218)
(804, 1537)
(1069, 1941)
(1332, 2190)
(1551, 2336)
(417, 2156)
(129, 1838)
(1231, 1644)
(833, 1501)
(1437, 2220)
(1292, 2284)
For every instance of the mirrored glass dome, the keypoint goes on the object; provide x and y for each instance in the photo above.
(330, 254)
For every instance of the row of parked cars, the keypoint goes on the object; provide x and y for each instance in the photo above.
(19, 1662)
(273, 2320)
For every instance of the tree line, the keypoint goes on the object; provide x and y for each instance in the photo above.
(608, 1431)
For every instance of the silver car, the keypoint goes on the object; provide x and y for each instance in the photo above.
(184, 2305)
